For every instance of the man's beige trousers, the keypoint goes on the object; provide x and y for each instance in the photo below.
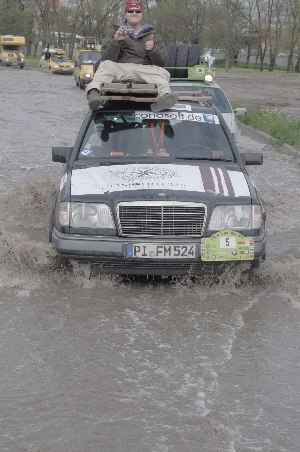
(109, 72)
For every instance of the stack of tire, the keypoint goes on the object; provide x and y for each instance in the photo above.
(182, 55)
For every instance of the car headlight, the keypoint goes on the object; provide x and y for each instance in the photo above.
(208, 79)
(55, 66)
(235, 217)
(87, 75)
(86, 215)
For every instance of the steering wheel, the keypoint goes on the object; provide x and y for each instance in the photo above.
(194, 146)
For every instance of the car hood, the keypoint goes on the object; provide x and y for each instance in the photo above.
(193, 178)
(87, 67)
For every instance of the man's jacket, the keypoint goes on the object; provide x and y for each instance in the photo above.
(133, 49)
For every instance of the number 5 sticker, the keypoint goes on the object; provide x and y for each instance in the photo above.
(227, 242)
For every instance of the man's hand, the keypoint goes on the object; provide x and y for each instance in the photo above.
(150, 43)
(119, 36)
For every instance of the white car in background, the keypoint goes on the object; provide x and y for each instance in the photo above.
(219, 99)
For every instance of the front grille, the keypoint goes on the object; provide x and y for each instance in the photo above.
(161, 218)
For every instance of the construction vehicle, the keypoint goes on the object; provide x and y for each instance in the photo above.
(11, 51)
(87, 56)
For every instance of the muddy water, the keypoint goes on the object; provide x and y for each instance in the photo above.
(93, 363)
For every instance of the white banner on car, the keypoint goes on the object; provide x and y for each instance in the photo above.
(178, 116)
(100, 180)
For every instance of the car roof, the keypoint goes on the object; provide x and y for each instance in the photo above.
(201, 83)
(194, 106)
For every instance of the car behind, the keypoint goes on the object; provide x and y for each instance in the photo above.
(57, 62)
(218, 98)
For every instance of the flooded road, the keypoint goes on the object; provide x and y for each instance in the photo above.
(95, 363)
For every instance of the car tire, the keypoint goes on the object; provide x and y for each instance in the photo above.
(21, 67)
(194, 54)
(172, 54)
(181, 60)
(77, 84)
(1, 63)
(81, 86)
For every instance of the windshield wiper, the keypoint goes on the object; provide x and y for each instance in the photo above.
(205, 158)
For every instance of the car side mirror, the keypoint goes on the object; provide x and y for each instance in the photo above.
(240, 111)
(61, 154)
(252, 158)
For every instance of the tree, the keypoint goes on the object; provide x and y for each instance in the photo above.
(180, 22)
(275, 33)
(231, 23)
(293, 29)
(14, 20)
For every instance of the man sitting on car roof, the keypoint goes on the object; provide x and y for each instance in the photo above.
(140, 57)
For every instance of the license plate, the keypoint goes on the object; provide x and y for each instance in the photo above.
(227, 246)
(161, 251)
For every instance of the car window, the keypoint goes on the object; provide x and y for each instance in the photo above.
(10, 48)
(165, 134)
(89, 57)
(218, 97)
(219, 100)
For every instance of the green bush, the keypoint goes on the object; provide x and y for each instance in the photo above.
(220, 63)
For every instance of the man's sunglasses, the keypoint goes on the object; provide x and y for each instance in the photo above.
(130, 11)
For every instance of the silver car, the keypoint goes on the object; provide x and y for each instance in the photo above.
(219, 99)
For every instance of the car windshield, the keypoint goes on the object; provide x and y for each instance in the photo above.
(173, 134)
(218, 97)
(59, 59)
(89, 57)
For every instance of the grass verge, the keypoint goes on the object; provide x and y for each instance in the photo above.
(220, 64)
(253, 70)
(283, 129)
(32, 61)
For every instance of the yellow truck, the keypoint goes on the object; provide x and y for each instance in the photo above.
(87, 56)
(11, 51)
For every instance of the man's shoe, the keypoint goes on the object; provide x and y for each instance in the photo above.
(94, 99)
(164, 102)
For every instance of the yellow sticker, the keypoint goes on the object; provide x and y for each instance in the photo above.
(227, 246)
